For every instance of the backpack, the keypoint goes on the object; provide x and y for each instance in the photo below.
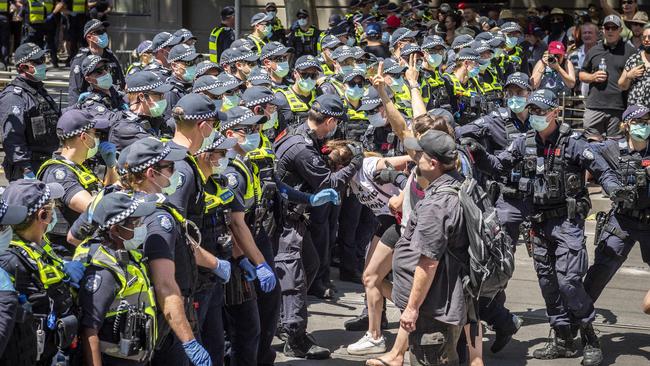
(491, 258)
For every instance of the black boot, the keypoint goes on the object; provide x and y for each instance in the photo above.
(592, 355)
(501, 339)
(304, 346)
(560, 346)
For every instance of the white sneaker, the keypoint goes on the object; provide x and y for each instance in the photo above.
(368, 345)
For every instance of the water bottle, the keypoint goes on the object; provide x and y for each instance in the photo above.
(602, 66)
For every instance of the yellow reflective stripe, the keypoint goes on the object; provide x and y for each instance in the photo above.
(49, 274)
(4, 6)
(196, 165)
(403, 100)
(36, 11)
(212, 43)
(79, 6)
(84, 175)
(222, 197)
(250, 180)
(295, 103)
(459, 89)
(49, 5)
(258, 43)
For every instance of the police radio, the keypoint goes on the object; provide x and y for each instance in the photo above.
(130, 343)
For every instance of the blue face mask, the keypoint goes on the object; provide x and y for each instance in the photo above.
(538, 123)
(347, 69)
(434, 60)
(302, 22)
(190, 72)
(105, 81)
(307, 85)
(483, 65)
(282, 69)
(252, 142)
(639, 132)
(473, 72)
(354, 93)
(350, 41)
(385, 37)
(362, 67)
(221, 166)
(511, 42)
(517, 104)
(52, 223)
(102, 40)
(39, 72)
(268, 31)
(397, 85)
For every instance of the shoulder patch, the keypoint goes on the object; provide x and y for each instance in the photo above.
(308, 140)
(165, 222)
(315, 160)
(233, 182)
(100, 109)
(59, 174)
(15, 110)
(181, 179)
(587, 154)
(18, 90)
(76, 69)
(92, 283)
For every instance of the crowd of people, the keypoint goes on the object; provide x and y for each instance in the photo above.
(181, 209)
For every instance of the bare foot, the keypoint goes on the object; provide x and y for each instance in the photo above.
(386, 360)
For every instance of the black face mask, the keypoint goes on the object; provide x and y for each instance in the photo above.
(557, 28)
(645, 49)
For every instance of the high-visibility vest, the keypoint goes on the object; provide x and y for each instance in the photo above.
(36, 11)
(4, 6)
(212, 44)
(49, 265)
(79, 6)
(84, 175)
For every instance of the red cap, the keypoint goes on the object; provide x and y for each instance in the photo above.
(556, 48)
(461, 6)
(393, 21)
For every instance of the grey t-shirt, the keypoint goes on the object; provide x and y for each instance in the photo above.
(435, 227)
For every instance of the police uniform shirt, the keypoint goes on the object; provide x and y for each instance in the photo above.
(78, 83)
(284, 111)
(433, 228)
(186, 195)
(113, 101)
(179, 89)
(59, 173)
(127, 128)
(237, 184)
(491, 129)
(97, 290)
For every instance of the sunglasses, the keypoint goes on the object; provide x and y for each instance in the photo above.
(352, 84)
(611, 28)
(245, 130)
(644, 121)
(279, 58)
(100, 70)
(309, 75)
(628, 2)
(538, 111)
(169, 166)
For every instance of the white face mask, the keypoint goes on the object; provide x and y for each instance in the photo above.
(538, 123)
(174, 180)
(207, 141)
(92, 151)
(220, 167)
(376, 120)
(139, 235)
(5, 238)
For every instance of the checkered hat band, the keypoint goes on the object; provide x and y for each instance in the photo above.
(639, 112)
(306, 64)
(189, 52)
(151, 162)
(391, 69)
(271, 53)
(216, 142)
(242, 57)
(237, 121)
(147, 48)
(45, 197)
(519, 82)
(259, 101)
(29, 56)
(540, 99)
(201, 116)
(203, 69)
(463, 45)
(121, 216)
(165, 44)
(78, 131)
(468, 58)
(330, 44)
(370, 101)
(144, 87)
(206, 87)
(432, 44)
(400, 38)
(3, 208)
(229, 84)
(260, 77)
(94, 63)
(331, 113)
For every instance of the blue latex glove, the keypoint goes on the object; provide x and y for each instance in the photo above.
(74, 270)
(5, 281)
(124, 107)
(83, 96)
(324, 196)
(266, 276)
(29, 175)
(196, 353)
(108, 152)
(223, 270)
(249, 269)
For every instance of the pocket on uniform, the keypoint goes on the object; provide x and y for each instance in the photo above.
(573, 261)
(571, 236)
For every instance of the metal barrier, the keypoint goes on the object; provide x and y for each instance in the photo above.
(572, 110)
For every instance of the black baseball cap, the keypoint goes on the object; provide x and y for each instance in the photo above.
(28, 52)
(94, 25)
(436, 144)
(144, 81)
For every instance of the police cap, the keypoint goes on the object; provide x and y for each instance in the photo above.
(462, 41)
(431, 42)
(220, 142)
(635, 112)
(519, 79)
(28, 52)
(32, 194)
(370, 100)
(241, 116)
(401, 33)
(481, 46)
(204, 83)
(226, 83)
(73, 123)
(146, 152)
(330, 42)
(259, 77)
(116, 207)
(436, 144)
(330, 105)
(91, 63)
(227, 11)
(260, 18)
(468, 54)
(162, 40)
(206, 65)
(197, 107)
(182, 52)
(274, 49)
(342, 53)
(184, 35)
(510, 27)
(144, 81)
(11, 214)
(256, 95)
(306, 61)
(543, 98)
(144, 47)
(95, 25)
(410, 49)
(392, 67)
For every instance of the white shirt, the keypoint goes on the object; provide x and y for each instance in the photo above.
(369, 193)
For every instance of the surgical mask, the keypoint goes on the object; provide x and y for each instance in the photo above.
(639, 132)
(268, 31)
(538, 123)
(307, 85)
(434, 60)
(173, 183)
(39, 72)
(220, 167)
(385, 37)
(361, 67)
(93, 150)
(302, 22)
(347, 69)
(350, 41)
(190, 72)
(252, 142)
(5, 239)
(271, 121)
(517, 104)
(511, 42)
(354, 93)
(282, 69)
(376, 120)
(418, 65)
(207, 141)
(139, 235)
(272, 14)
(397, 85)
(331, 133)
(105, 81)
(229, 102)
(419, 13)
(473, 72)
(158, 108)
(52, 223)
(498, 53)
(102, 40)
(483, 65)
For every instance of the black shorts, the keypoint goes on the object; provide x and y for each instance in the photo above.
(391, 233)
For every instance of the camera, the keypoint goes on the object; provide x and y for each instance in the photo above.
(552, 59)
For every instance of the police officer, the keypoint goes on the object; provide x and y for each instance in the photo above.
(624, 224)
(78, 136)
(296, 99)
(182, 60)
(162, 43)
(207, 67)
(101, 96)
(262, 30)
(97, 38)
(259, 77)
(76, 18)
(379, 136)
(433, 94)
(45, 322)
(496, 43)
(487, 82)
(300, 164)
(278, 33)
(304, 38)
(553, 161)
(400, 38)
(144, 55)
(394, 74)
(173, 267)
(462, 92)
(29, 116)
(39, 18)
(228, 89)
(118, 317)
(327, 45)
(275, 60)
(262, 102)
(242, 61)
(9, 215)
(185, 36)
(514, 58)
(344, 63)
(221, 37)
